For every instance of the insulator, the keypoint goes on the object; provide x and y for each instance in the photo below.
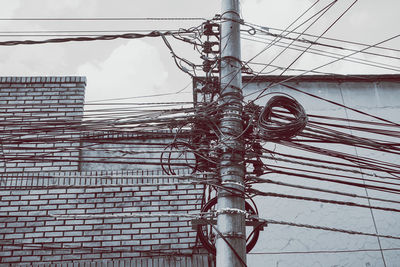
(208, 65)
(257, 148)
(211, 29)
(208, 47)
(258, 167)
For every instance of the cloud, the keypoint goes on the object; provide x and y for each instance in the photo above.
(273, 13)
(356, 25)
(132, 69)
(51, 8)
(8, 8)
(32, 60)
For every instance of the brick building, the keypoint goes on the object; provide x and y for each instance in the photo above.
(48, 171)
(42, 177)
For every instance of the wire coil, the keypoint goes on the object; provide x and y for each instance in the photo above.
(275, 124)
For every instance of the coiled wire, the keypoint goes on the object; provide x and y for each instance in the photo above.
(275, 124)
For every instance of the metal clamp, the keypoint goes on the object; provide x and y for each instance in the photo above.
(232, 235)
(230, 211)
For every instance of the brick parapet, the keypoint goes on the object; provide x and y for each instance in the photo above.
(196, 260)
(43, 79)
(37, 115)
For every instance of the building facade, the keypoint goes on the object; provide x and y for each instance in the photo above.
(67, 187)
(329, 154)
(50, 167)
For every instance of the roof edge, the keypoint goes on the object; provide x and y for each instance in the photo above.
(324, 78)
(43, 79)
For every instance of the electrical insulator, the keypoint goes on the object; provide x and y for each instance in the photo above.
(258, 167)
(210, 65)
(211, 29)
(208, 47)
(209, 88)
(257, 148)
(207, 65)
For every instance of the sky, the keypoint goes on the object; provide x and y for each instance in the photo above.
(129, 68)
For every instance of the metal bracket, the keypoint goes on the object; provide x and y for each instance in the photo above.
(197, 222)
(232, 235)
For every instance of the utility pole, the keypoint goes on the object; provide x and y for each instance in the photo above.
(231, 203)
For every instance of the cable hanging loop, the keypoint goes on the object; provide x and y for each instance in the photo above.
(275, 126)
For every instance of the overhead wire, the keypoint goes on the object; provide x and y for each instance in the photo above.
(324, 228)
(318, 189)
(322, 251)
(269, 45)
(316, 68)
(100, 18)
(324, 53)
(331, 39)
(323, 33)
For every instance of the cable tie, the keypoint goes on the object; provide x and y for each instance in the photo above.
(233, 183)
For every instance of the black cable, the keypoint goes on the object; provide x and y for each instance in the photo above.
(316, 68)
(340, 105)
(102, 19)
(316, 40)
(86, 39)
(262, 180)
(323, 251)
(320, 52)
(320, 13)
(316, 227)
(332, 39)
(270, 130)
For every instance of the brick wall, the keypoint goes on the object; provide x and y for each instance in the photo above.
(29, 233)
(37, 120)
(126, 150)
(50, 166)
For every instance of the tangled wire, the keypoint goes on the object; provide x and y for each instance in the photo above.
(274, 123)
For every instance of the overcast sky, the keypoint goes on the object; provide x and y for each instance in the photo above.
(124, 68)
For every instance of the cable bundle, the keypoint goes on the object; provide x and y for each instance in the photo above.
(275, 126)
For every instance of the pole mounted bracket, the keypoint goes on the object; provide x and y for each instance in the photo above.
(230, 211)
(231, 235)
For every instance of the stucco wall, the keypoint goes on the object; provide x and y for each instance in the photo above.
(379, 98)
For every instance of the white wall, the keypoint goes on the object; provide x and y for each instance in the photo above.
(377, 98)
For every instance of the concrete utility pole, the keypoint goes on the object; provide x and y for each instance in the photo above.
(231, 207)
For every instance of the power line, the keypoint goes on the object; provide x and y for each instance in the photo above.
(269, 45)
(323, 251)
(306, 41)
(335, 39)
(328, 201)
(261, 180)
(320, 14)
(88, 38)
(331, 55)
(321, 66)
(84, 31)
(324, 228)
(316, 40)
(104, 19)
